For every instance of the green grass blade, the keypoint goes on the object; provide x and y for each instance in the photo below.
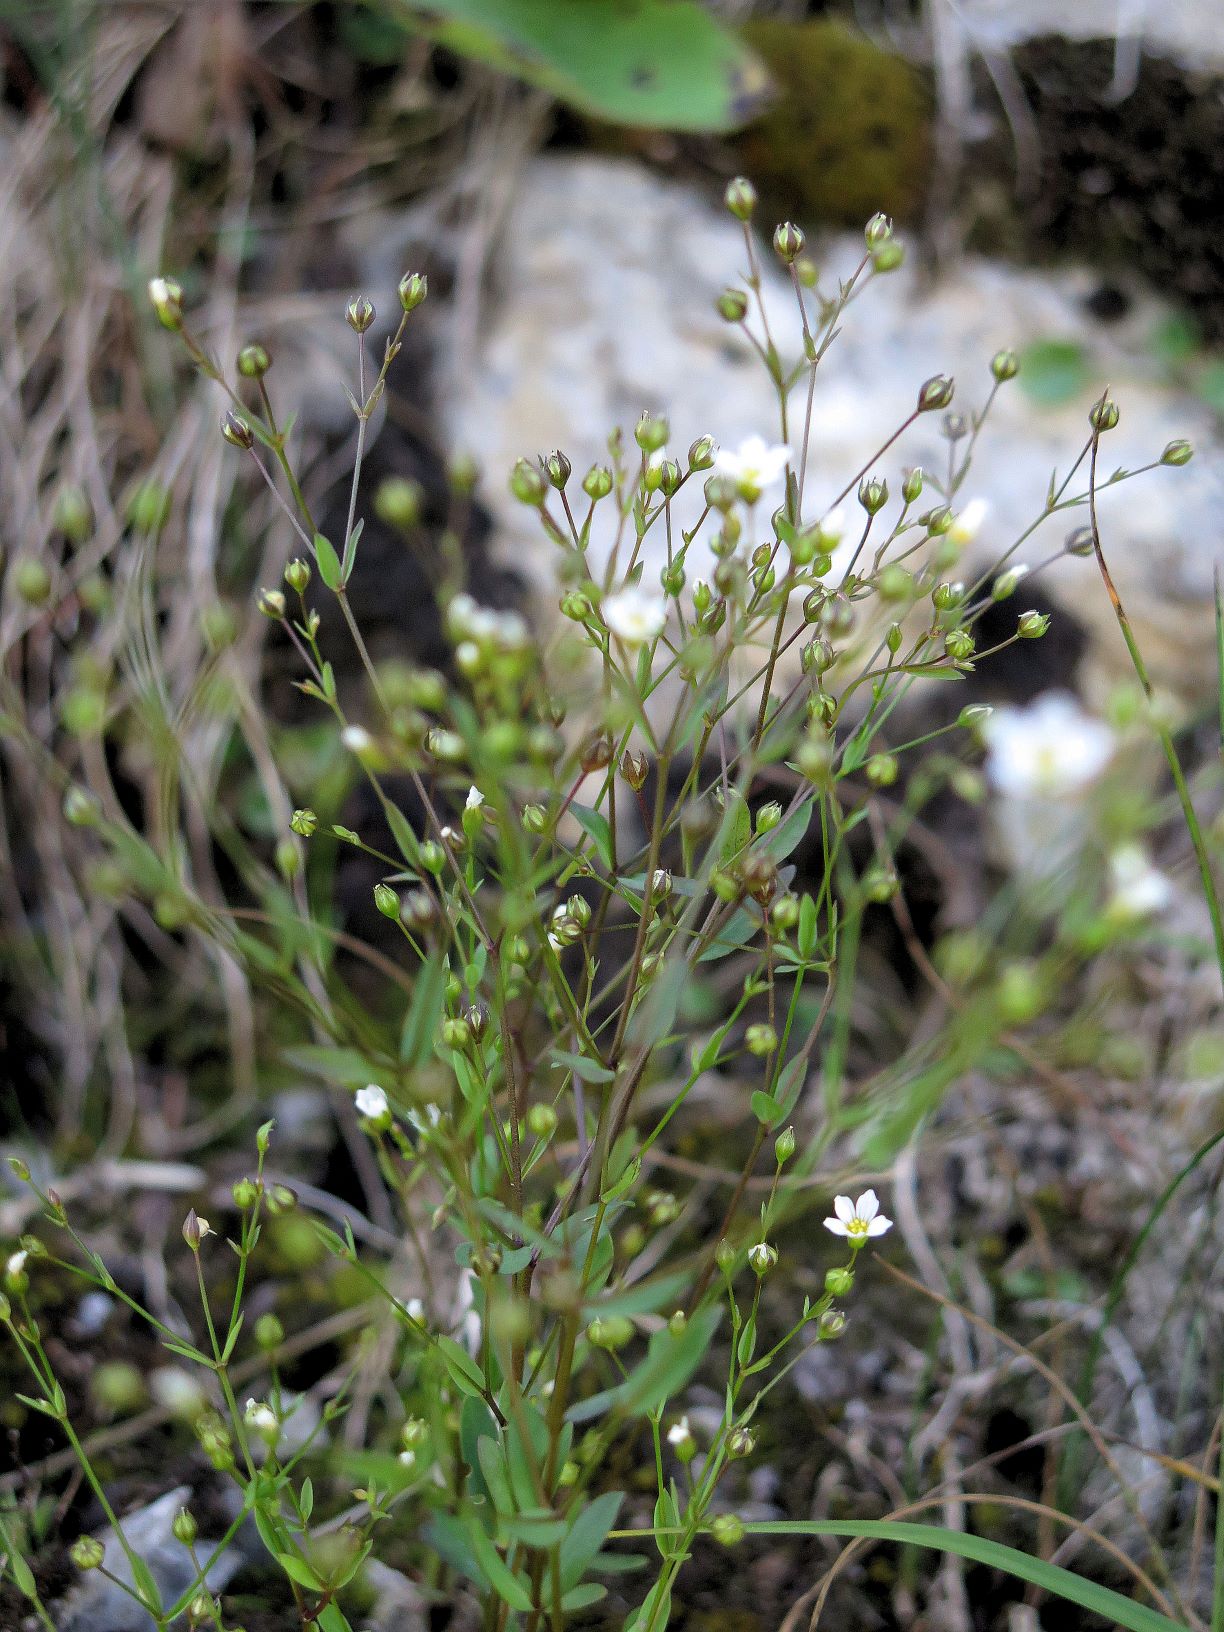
(1075, 1589)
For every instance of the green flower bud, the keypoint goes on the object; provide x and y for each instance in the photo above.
(741, 1442)
(760, 1039)
(880, 884)
(959, 645)
(413, 287)
(784, 914)
(288, 858)
(935, 393)
(1103, 415)
(878, 230)
(610, 1333)
(558, 469)
(73, 514)
(148, 508)
(768, 817)
(81, 808)
(946, 596)
(831, 1325)
(727, 1530)
(1032, 625)
(304, 822)
(31, 580)
(732, 305)
(184, 1528)
(359, 314)
(166, 295)
(1008, 582)
(650, 432)
(788, 242)
(269, 1333)
(245, 1193)
(87, 1552)
(911, 486)
(839, 1282)
(455, 1033)
(784, 1146)
(938, 521)
(762, 1257)
(669, 477)
(881, 770)
(1004, 365)
(398, 501)
(253, 362)
(597, 483)
(387, 901)
(740, 198)
(297, 575)
(271, 603)
(974, 715)
(725, 1256)
(887, 258)
(237, 432)
(542, 1121)
(527, 483)
(1179, 452)
(873, 494)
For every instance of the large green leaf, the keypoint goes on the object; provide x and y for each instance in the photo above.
(662, 63)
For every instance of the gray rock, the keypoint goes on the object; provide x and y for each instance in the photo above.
(1189, 31)
(99, 1605)
(606, 279)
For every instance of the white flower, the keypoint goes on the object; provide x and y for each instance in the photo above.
(356, 739)
(262, 1420)
(16, 1263)
(967, 523)
(474, 799)
(859, 1220)
(1138, 888)
(371, 1102)
(415, 1310)
(755, 466)
(634, 615)
(1049, 749)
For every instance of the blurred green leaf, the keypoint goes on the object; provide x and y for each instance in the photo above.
(1054, 372)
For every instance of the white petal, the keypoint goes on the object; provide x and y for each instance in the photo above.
(868, 1205)
(836, 1226)
(879, 1226)
(844, 1208)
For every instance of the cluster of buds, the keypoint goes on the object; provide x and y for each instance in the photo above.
(569, 919)
(487, 641)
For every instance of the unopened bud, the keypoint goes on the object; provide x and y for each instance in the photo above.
(650, 432)
(760, 1039)
(611, 1332)
(873, 494)
(87, 1552)
(237, 432)
(359, 314)
(839, 1282)
(888, 257)
(558, 469)
(740, 198)
(542, 1121)
(271, 603)
(741, 1442)
(413, 287)
(167, 297)
(788, 242)
(784, 1146)
(597, 483)
(1004, 365)
(73, 515)
(398, 501)
(253, 362)
(527, 483)
(634, 768)
(762, 1257)
(935, 393)
(387, 901)
(878, 230)
(911, 485)
(831, 1325)
(732, 305)
(1032, 625)
(959, 645)
(1008, 582)
(1179, 452)
(727, 1529)
(1103, 415)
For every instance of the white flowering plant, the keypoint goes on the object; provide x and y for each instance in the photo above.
(585, 827)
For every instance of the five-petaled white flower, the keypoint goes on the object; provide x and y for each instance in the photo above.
(967, 523)
(859, 1220)
(755, 466)
(371, 1102)
(1048, 749)
(634, 615)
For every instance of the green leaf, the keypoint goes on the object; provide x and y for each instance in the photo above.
(789, 834)
(328, 561)
(589, 1070)
(350, 549)
(508, 1586)
(298, 1570)
(766, 1108)
(737, 826)
(806, 937)
(464, 1372)
(23, 1576)
(586, 1536)
(595, 825)
(642, 1299)
(735, 933)
(662, 63)
(656, 1012)
(452, 1541)
(497, 1480)
(670, 1361)
(401, 832)
(424, 1012)
(591, 1592)
(1075, 1589)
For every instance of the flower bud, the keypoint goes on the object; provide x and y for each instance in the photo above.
(831, 1325)
(732, 305)
(726, 1529)
(196, 1229)
(768, 817)
(680, 1438)
(527, 483)
(668, 476)
(167, 297)
(398, 501)
(740, 198)
(974, 715)
(1008, 582)
(878, 230)
(1103, 415)
(413, 287)
(873, 494)
(911, 485)
(73, 515)
(359, 314)
(1004, 365)
(237, 432)
(760, 1039)
(542, 1121)
(184, 1528)
(1032, 625)
(87, 1552)
(1179, 452)
(741, 1442)
(650, 432)
(253, 362)
(558, 469)
(880, 884)
(660, 884)
(938, 521)
(148, 509)
(945, 596)
(784, 914)
(701, 453)
(762, 1258)
(888, 257)
(935, 393)
(387, 901)
(784, 1146)
(724, 1256)
(81, 808)
(788, 242)
(304, 822)
(610, 1333)
(881, 770)
(260, 1418)
(839, 1282)
(959, 645)
(271, 603)
(597, 483)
